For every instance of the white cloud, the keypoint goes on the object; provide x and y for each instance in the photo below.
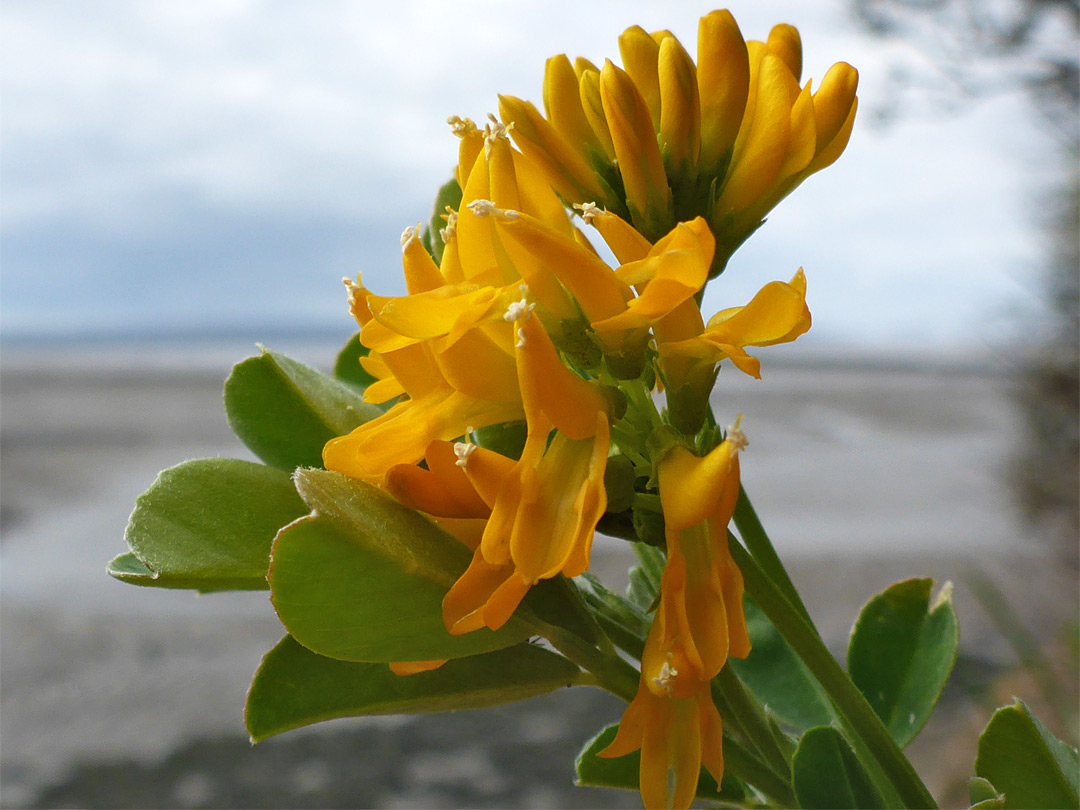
(133, 124)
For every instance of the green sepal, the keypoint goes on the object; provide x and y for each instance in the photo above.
(622, 772)
(649, 525)
(619, 476)
(826, 773)
(347, 366)
(363, 578)
(207, 525)
(285, 412)
(505, 438)
(1026, 763)
(778, 677)
(901, 653)
(295, 687)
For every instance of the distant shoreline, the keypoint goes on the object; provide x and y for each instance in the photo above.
(200, 350)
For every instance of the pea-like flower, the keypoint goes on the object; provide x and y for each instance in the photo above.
(662, 140)
(699, 622)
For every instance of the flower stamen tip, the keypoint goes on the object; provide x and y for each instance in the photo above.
(666, 677)
(519, 310)
(736, 436)
(461, 126)
(589, 211)
(464, 449)
(486, 208)
(450, 231)
(409, 235)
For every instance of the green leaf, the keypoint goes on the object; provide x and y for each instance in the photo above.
(622, 772)
(363, 578)
(778, 676)
(622, 621)
(128, 568)
(295, 687)
(347, 366)
(1024, 761)
(285, 411)
(207, 524)
(645, 578)
(901, 652)
(449, 194)
(826, 773)
(983, 795)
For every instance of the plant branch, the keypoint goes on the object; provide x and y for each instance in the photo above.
(848, 700)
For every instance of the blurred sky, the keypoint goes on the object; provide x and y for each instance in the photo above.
(218, 166)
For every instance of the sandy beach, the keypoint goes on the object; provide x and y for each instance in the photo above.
(113, 696)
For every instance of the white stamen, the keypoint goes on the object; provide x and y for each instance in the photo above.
(355, 290)
(464, 449)
(408, 235)
(486, 208)
(493, 132)
(589, 211)
(520, 309)
(520, 339)
(736, 436)
(461, 126)
(450, 231)
(666, 677)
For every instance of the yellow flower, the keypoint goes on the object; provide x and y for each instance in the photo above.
(664, 140)
(469, 347)
(701, 583)
(699, 622)
(776, 314)
(690, 349)
(676, 735)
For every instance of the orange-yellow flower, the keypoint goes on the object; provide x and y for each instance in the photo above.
(699, 622)
(662, 140)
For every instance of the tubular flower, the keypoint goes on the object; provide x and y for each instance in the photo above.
(699, 622)
(662, 140)
(690, 349)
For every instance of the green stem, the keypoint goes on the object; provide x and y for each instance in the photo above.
(758, 543)
(612, 672)
(750, 716)
(751, 769)
(848, 700)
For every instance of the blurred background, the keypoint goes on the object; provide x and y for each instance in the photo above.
(183, 180)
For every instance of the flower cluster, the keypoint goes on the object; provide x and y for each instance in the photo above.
(662, 140)
(520, 322)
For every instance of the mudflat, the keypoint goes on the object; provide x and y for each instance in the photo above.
(115, 696)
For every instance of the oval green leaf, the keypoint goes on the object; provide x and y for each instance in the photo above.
(622, 772)
(826, 773)
(207, 524)
(778, 676)
(901, 653)
(363, 578)
(285, 412)
(1026, 763)
(295, 687)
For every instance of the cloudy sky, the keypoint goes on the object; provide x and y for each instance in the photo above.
(218, 166)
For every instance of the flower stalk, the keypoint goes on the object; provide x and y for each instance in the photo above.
(902, 780)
